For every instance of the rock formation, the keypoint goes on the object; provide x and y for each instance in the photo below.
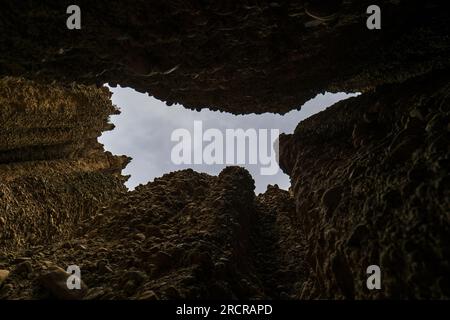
(186, 235)
(237, 56)
(370, 183)
(53, 171)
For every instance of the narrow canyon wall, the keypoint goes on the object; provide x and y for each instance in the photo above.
(371, 186)
(53, 172)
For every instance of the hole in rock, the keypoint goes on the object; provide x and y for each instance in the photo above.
(144, 128)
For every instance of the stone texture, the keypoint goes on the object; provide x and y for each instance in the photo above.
(53, 172)
(3, 276)
(55, 281)
(215, 240)
(237, 56)
(382, 202)
(370, 182)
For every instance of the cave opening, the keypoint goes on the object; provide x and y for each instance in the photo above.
(144, 129)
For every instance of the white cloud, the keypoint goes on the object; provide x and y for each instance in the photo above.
(144, 127)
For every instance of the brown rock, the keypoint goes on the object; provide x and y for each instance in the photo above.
(161, 259)
(55, 282)
(331, 198)
(103, 267)
(3, 276)
(6, 289)
(148, 295)
(137, 277)
(24, 268)
(94, 293)
(139, 236)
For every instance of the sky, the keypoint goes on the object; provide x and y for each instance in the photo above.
(145, 126)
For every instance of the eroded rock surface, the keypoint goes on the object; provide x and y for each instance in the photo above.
(53, 172)
(370, 177)
(237, 56)
(185, 235)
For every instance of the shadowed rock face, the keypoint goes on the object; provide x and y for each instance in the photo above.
(371, 185)
(369, 175)
(237, 56)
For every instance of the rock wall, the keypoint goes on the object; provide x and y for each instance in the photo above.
(185, 235)
(53, 172)
(370, 177)
(237, 56)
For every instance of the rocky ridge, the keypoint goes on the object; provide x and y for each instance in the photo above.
(185, 235)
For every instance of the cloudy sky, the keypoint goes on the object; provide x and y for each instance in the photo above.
(144, 128)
